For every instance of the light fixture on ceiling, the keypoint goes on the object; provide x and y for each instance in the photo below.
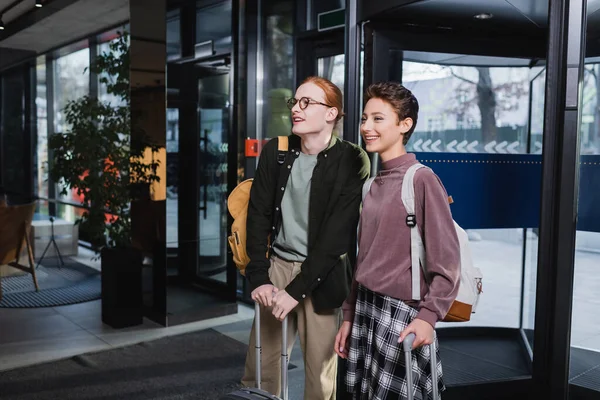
(1, 24)
(38, 3)
(484, 16)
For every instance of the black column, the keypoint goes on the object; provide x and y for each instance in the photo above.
(352, 93)
(189, 144)
(560, 184)
(148, 126)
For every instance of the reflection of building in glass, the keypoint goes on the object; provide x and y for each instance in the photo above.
(451, 106)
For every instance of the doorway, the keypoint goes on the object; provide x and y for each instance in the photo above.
(201, 276)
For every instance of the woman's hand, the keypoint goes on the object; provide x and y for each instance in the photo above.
(424, 333)
(342, 339)
(263, 295)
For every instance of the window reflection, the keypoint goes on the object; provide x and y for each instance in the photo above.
(585, 325)
(42, 134)
(278, 84)
(71, 82)
(469, 109)
(479, 110)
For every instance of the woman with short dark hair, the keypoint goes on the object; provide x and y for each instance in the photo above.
(380, 310)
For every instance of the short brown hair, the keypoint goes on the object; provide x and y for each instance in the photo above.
(333, 94)
(400, 98)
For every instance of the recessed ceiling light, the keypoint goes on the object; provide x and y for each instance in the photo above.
(484, 16)
(38, 3)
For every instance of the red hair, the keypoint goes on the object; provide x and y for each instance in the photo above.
(333, 94)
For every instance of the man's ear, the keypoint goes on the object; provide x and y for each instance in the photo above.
(406, 124)
(332, 114)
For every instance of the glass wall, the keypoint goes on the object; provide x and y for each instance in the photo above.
(71, 81)
(465, 109)
(277, 78)
(41, 104)
(585, 328)
(213, 24)
(172, 175)
(104, 48)
(173, 35)
(332, 68)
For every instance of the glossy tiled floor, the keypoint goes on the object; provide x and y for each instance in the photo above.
(32, 336)
(37, 335)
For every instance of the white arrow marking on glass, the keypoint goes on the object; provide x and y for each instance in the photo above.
(500, 148)
(426, 145)
(471, 147)
(461, 146)
(435, 146)
(489, 148)
(512, 148)
(417, 145)
(450, 146)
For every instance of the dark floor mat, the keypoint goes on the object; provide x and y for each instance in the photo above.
(199, 365)
(72, 283)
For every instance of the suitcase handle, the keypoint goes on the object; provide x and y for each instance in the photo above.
(407, 344)
(284, 354)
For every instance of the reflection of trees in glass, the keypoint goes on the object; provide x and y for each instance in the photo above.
(71, 82)
(42, 128)
(489, 98)
(278, 63)
(280, 50)
(103, 93)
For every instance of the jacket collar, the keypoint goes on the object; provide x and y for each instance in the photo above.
(295, 143)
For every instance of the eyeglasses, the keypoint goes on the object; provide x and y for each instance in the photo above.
(304, 102)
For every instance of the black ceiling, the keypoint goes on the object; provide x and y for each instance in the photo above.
(514, 20)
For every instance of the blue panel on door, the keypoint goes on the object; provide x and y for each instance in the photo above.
(589, 194)
(503, 190)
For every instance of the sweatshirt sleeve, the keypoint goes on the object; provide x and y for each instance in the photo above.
(442, 249)
(350, 303)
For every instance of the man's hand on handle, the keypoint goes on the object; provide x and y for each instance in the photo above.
(263, 295)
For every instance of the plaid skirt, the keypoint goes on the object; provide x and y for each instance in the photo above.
(376, 367)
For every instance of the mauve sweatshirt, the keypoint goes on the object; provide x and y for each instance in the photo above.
(384, 263)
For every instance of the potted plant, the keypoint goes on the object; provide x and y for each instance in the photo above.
(102, 164)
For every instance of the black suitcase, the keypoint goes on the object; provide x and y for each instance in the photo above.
(257, 393)
(407, 346)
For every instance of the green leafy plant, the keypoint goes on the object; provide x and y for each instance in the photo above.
(99, 158)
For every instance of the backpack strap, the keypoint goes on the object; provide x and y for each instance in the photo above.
(282, 148)
(417, 249)
(367, 187)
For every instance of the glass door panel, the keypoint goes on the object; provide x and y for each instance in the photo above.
(332, 68)
(172, 176)
(214, 115)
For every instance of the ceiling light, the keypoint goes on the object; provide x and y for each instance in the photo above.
(38, 3)
(1, 24)
(483, 16)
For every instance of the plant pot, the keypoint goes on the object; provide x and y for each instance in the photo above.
(121, 287)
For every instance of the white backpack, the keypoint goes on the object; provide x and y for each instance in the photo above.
(470, 276)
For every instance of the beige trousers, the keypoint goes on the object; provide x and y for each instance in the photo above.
(317, 336)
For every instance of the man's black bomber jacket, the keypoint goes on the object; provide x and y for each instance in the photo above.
(334, 206)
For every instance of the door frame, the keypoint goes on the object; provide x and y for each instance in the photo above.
(313, 45)
(185, 74)
(381, 64)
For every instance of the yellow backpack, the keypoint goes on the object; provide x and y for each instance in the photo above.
(237, 204)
